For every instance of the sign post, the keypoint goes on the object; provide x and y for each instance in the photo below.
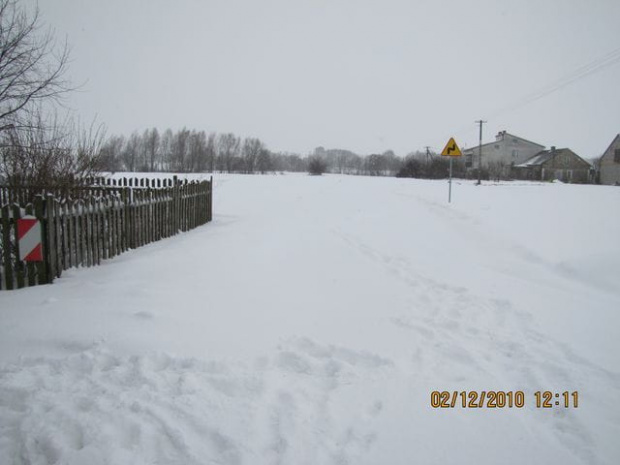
(451, 150)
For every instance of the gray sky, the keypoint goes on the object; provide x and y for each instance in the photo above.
(363, 75)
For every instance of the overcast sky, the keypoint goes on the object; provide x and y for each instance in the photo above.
(362, 75)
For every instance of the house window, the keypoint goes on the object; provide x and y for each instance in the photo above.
(617, 155)
(514, 153)
(496, 146)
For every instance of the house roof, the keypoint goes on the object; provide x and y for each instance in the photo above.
(475, 147)
(538, 159)
(506, 135)
(546, 155)
(610, 145)
(524, 140)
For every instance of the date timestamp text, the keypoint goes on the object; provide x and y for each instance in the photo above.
(503, 399)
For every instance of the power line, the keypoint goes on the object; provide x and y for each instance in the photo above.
(582, 72)
(593, 67)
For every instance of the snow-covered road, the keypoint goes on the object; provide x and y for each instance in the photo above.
(310, 322)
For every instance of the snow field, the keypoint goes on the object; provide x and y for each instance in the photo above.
(309, 323)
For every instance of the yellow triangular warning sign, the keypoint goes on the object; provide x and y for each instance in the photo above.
(451, 149)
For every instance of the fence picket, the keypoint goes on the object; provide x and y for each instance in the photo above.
(7, 248)
(18, 266)
(94, 231)
(30, 269)
(41, 268)
(79, 233)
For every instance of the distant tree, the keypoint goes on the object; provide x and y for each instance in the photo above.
(288, 162)
(151, 148)
(417, 165)
(211, 151)
(296, 163)
(252, 148)
(196, 152)
(339, 160)
(129, 155)
(412, 168)
(375, 165)
(165, 150)
(438, 168)
(227, 149)
(179, 149)
(393, 163)
(264, 162)
(111, 152)
(316, 165)
(346, 162)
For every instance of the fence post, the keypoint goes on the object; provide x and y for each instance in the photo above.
(210, 208)
(6, 245)
(44, 268)
(125, 215)
(52, 212)
(175, 205)
(19, 265)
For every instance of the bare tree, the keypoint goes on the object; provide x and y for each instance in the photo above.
(130, 153)
(228, 149)
(316, 165)
(151, 148)
(179, 150)
(111, 153)
(32, 66)
(165, 147)
(252, 148)
(36, 146)
(58, 153)
(211, 151)
(197, 152)
(264, 162)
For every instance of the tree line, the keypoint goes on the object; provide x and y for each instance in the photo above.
(193, 151)
(186, 151)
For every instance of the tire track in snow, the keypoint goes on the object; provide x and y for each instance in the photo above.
(311, 378)
(571, 274)
(460, 331)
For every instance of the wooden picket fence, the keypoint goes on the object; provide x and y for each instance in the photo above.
(100, 220)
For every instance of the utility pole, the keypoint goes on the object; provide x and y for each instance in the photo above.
(480, 122)
(428, 154)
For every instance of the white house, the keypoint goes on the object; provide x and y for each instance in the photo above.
(500, 156)
(609, 164)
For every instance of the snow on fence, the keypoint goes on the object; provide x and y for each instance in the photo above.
(82, 226)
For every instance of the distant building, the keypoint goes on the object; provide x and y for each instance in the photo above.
(609, 164)
(562, 164)
(500, 156)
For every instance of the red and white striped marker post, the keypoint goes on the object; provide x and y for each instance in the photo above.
(29, 239)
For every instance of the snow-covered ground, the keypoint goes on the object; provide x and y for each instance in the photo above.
(310, 322)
